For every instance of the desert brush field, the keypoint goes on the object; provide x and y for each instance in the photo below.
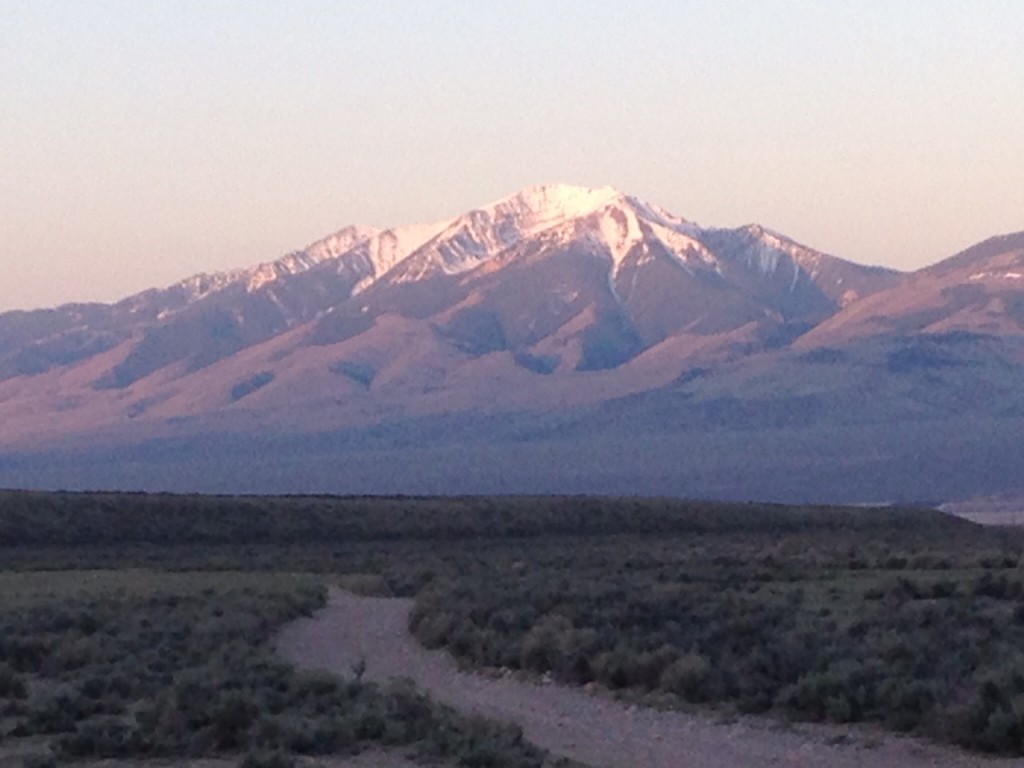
(147, 628)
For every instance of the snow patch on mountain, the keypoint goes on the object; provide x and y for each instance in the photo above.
(771, 246)
(387, 248)
(658, 215)
(620, 231)
(364, 250)
(996, 275)
(537, 208)
(338, 244)
(689, 252)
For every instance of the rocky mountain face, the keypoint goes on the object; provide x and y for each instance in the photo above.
(557, 312)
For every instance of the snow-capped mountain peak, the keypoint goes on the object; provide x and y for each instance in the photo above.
(477, 236)
(540, 207)
(533, 262)
(613, 221)
(616, 221)
(609, 222)
(454, 246)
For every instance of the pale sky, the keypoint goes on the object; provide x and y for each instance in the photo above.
(141, 142)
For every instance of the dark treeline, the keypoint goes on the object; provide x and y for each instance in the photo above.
(96, 519)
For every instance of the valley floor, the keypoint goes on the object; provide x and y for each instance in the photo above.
(594, 729)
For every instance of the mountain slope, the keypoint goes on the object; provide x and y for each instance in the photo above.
(654, 275)
(980, 290)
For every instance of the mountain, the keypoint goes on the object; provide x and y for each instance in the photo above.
(646, 274)
(636, 349)
(980, 291)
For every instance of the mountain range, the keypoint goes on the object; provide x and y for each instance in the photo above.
(562, 339)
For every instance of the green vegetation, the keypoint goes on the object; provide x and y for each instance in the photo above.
(922, 632)
(135, 665)
(88, 520)
(907, 618)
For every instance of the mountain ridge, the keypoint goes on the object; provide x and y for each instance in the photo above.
(251, 305)
(557, 311)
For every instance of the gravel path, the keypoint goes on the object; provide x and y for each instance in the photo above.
(596, 730)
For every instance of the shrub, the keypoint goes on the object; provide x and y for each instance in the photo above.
(11, 686)
(101, 738)
(276, 759)
(230, 718)
(39, 760)
(1002, 732)
(687, 676)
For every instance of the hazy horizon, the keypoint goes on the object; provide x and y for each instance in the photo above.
(147, 143)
